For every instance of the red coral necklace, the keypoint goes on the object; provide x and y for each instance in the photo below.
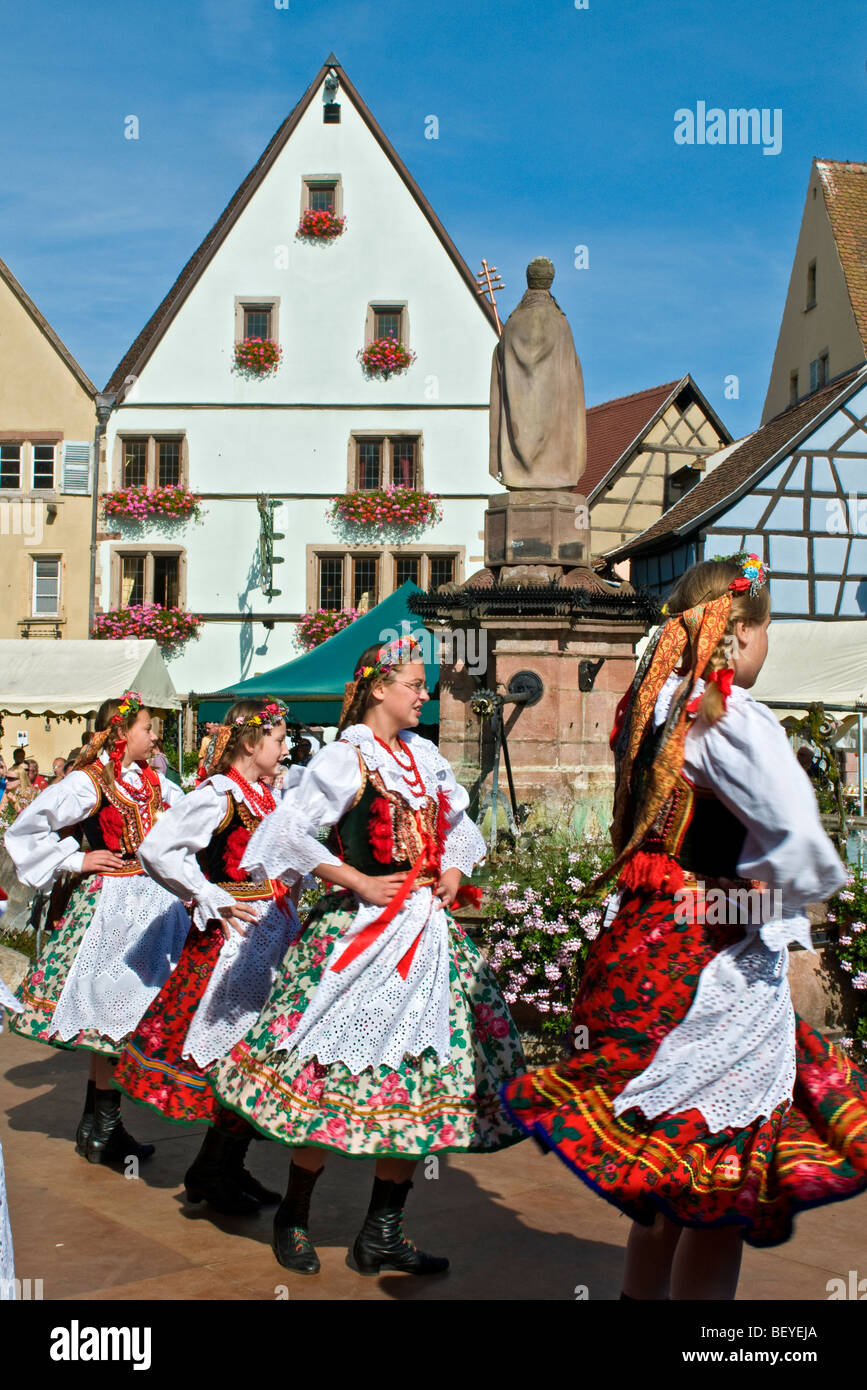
(414, 782)
(260, 798)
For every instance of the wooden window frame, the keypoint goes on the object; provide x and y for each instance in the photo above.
(811, 284)
(43, 444)
(149, 551)
(36, 557)
(386, 575)
(20, 445)
(310, 181)
(151, 456)
(376, 306)
(387, 462)
(257, 301)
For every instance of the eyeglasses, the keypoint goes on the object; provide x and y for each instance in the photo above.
(418, 686)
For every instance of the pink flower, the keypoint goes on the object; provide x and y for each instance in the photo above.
(336, 1127)
(448, 1134)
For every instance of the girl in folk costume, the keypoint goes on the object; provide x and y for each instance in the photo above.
(114, 935)
(228, 963)
(385, 1035)
(702, 1106)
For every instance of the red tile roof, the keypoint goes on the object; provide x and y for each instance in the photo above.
(844, 186)
(614, 425)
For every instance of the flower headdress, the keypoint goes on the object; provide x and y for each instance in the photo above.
(130, 703)
(275, 712)
(402, 649)
(755, 572)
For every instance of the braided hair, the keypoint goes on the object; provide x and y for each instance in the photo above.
(359, 701)
(111, 733)
(249, 734)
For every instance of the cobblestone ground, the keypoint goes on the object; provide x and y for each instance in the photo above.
(516, 1225)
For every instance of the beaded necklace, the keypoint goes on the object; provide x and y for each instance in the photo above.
(415, 784)
(260, 797)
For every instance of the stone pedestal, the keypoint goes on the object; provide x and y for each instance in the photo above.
(561, 763)
(534, 527)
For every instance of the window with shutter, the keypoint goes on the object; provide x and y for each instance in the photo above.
(76, 467)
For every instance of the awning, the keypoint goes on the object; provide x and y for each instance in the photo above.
(40, 676)
(814, 663)
(312, 685)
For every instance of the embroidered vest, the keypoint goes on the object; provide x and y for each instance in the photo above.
(118, 822)
(220, 860)
(382, 834)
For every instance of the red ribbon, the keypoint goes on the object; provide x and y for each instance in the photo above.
(281, 896)
(721, 678)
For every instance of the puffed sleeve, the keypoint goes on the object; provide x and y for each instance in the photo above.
(168, 853)
(172, 793)
(285, 844)
(745, 758)
(33, 840)
(464, 846)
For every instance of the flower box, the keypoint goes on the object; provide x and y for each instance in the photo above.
(170, 628)
(171, 502)
(257, 356)
(399, 508)
(385, 357)
(320, 224)
(315, 628)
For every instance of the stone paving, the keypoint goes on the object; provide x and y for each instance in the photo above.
(516, 1225)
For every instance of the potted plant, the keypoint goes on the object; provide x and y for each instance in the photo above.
(170, 628)
(315, 628)
(170, 501)
(399, 509)
(257, 356)
(385, 357)
(320, 224)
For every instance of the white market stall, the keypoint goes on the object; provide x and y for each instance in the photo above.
(818, 663)
(72, 678)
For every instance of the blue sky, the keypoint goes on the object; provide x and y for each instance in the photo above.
(556, 130)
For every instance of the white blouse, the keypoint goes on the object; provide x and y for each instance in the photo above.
(34, 842)
(746, 759)
(169, 852)
(285, 844)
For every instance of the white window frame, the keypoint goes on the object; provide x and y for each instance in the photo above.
(40, 487)
(38, 560)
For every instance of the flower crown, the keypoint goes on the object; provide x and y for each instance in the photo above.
(755, 572)
(130, 703)
(269, 715)
(402, 649)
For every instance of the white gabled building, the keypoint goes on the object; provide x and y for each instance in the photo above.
(316, 427)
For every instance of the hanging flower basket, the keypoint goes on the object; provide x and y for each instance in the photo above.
(170, 628)
(315, 628)
(320, 225)
(257, 356)
(390, 508)
(171, 502)
(385, 357)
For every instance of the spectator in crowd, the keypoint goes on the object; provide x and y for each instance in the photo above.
(158, 760)
(36, 778)
(58, 768)
(19, 792)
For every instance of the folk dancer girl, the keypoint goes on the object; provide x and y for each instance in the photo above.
(702, 1106)
(385, 1035)
(113, 934)
(228, 965)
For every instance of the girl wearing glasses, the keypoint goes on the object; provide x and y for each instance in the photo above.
(385, 1035)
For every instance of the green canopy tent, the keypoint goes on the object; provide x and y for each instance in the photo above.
(312, 685)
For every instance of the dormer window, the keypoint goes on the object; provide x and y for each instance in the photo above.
(257, 317)
(322, 193)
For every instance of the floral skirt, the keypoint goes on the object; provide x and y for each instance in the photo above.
(422, 1106)
(639, 982)
(153, 1069)
(40, 992)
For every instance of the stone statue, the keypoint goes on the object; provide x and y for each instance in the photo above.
(538, 431)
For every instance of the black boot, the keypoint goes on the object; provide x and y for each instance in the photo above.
(291, 1244)
(243, 1179)
(381, 1243)
(85, 1124)
(108, 1141)
(213, 1177)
